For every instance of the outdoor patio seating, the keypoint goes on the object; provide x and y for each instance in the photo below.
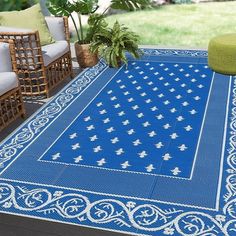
(141, 141)
(11, 103)
(40, 68)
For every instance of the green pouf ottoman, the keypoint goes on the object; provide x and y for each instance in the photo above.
(222, 54)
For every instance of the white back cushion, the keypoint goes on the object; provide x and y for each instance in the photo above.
(56, 27)
(5, 58)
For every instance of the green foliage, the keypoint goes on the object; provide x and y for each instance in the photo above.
(182, 1)
(11, 5)
(96, 23)
(113, 43)
(86, 7)
(180, 25)
(60, 7)
(89, 7)
(130, 5)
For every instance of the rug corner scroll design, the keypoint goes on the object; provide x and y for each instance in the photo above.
(33, 127)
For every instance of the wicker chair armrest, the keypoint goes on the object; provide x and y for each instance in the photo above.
(14, 34)
(15, 31)
(11, 102)
(10, 41)
(29, 39)
(27, 47)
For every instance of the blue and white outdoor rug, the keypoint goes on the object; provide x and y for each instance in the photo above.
(147, 149)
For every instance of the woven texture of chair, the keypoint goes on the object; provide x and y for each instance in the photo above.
(11, 102)
(36, 77)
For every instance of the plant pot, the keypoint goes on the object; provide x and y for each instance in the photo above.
(84, 57)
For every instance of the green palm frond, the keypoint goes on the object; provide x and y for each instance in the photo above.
(96, 23)
(113, 43)
(85, 7)
(60, 7)
(130, 5)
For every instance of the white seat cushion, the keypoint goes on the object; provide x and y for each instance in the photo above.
(53, 51)
(8, 81)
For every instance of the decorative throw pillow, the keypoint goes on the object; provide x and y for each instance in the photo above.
(31, 18)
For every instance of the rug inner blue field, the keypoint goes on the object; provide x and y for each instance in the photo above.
(147, 119)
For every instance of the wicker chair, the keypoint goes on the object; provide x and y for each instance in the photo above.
(11, 103)
(41, 68)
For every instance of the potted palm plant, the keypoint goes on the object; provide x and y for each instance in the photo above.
(113, 43)
(96, 22)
